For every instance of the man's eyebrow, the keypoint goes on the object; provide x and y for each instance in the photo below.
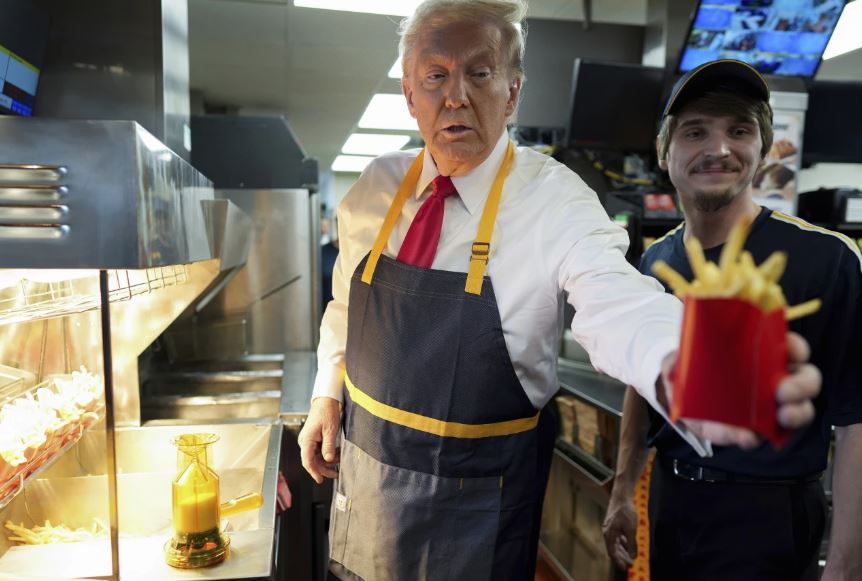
(702, 121)
(691, 122)
(485, 53)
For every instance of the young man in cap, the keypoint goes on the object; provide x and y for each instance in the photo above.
(748, 514)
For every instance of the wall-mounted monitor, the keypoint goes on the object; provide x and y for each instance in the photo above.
(777, 37)
(615, 106)
(832, 127)
(18, 81)
(23, 35)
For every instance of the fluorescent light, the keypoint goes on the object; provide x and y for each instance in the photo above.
(846, 36)
(396, 72)
(392, 7)
(373, 143)
(351, 163)
(388, 112)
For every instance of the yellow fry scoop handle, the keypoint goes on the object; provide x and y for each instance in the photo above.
(242, 503)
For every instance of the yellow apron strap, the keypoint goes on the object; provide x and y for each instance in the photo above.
(482, 245)
(408, 186)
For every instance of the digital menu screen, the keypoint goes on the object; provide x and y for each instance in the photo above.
(777, 37)
(18, 81)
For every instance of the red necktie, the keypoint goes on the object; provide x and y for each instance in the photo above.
(420, 244)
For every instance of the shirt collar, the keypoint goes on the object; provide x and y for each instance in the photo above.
(472, 188)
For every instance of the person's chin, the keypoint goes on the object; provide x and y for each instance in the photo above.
(713, 200)
(462, 150)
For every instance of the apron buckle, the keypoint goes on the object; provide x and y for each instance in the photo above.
(480, 251)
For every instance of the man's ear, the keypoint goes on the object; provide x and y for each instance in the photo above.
(662, 161)
(514, 95)
(408, 95)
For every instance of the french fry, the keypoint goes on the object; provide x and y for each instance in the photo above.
(736, 275)
(773, 298)
(733, 280)
(41, 535)
(746, 260)
(712, 278)
(773, 267)
(674, 280)
(803, 309)
(695, 257)
(733, 246)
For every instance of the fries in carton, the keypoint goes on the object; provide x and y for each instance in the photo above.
(733, 347)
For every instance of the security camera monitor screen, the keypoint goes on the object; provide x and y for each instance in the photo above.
(23, 37)
(18, 80)
(777, 37)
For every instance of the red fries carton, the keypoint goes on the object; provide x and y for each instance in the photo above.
(731, 358)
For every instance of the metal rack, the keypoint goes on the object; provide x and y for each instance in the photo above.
(66, 293)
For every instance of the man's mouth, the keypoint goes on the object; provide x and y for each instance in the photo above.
(456, 129)
(715, 169)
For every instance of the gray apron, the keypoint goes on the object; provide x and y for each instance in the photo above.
(440, 474)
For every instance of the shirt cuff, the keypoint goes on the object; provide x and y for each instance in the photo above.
(329, 382)
(651, 375)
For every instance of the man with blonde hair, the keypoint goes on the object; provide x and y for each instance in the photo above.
(442, 337)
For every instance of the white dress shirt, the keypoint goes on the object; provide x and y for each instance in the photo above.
(551, 236)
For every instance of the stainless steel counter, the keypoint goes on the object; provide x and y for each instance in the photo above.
(300, 368)
(590, 386)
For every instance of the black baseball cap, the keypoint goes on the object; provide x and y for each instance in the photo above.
(725, 74)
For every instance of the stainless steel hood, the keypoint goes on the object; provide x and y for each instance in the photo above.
(96, 194)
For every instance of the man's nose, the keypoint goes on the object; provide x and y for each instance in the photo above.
(456, 92)
(717, 146)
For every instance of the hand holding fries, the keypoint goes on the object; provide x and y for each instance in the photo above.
(733, 349)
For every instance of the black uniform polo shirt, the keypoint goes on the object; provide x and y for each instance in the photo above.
(823, 264)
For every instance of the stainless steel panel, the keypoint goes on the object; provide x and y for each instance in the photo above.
(275, 288)
(233, 407)
(211, 383)
(129, 201)
(136, 324)
(300, 368)
(268, 304)
(119, 60)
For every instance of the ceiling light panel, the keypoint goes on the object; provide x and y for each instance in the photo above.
(846, 36)
(373, 144)
(350, 163)
(390, 7)
(386, 111)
